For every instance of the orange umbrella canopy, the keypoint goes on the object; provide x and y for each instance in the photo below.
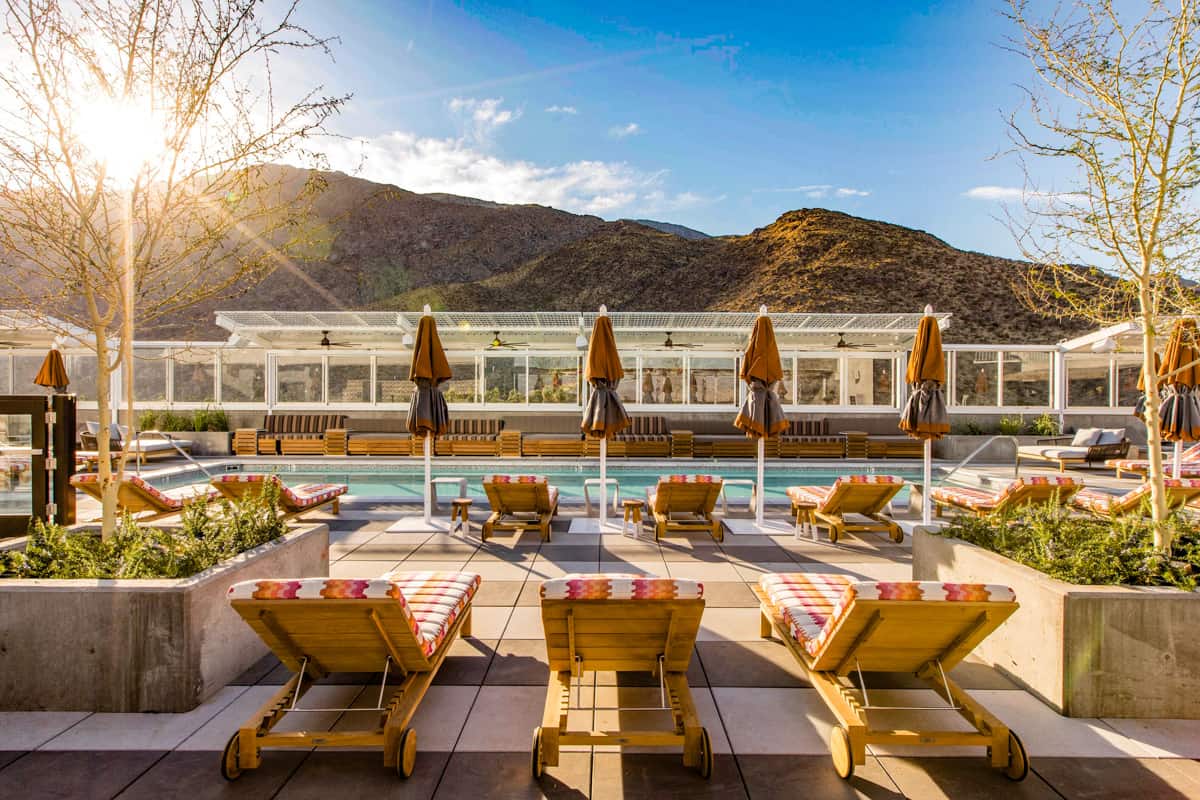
(1141, 384)
(1179, 367)
(761, 415)
(53, 373)
(605, 415)
(1179, 413)
(925, 416)
(429, 359)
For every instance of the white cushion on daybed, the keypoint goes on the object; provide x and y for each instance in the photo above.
(1041, 451)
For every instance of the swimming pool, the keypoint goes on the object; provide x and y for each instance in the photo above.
(402, 482)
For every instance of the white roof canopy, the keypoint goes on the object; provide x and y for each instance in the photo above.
(551, 329)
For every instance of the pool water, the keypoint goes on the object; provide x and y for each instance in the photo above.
(403, 482)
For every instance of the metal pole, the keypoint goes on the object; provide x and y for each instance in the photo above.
(428, 479)
(1178, 463)
(603, 482)
(762, 488)
(927, 478)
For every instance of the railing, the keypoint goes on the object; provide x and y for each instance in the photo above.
(980, 449)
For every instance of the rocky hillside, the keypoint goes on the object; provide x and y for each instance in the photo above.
(386, 248)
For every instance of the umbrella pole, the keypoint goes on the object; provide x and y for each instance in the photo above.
(927, 478)
(1176, 466)
(758, 506)
(428, 479)
(603, 482)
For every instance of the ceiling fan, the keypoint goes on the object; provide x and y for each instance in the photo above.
(671, 345)
(328, 344)
(842, 344)
(503, 344)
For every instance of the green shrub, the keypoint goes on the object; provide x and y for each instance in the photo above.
(1087, 550)
(969, 427)
(148, 421)
(1011, 426)
(208, 534)
(207, 419)
(210, 419)
(1044, 425)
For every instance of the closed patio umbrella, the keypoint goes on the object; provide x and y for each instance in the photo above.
(1179, 414)
(53, 374)
(605, 414)
(924, 415)
(1139, 408)
(761, 415)
(428, 416)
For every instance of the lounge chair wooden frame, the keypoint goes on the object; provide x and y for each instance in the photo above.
(921, 638)
(135, 500)
(685, 506)
(236, 490)
(1026, 495)
(518, 507)
(863, 499)
(316, 637)
(655, 636)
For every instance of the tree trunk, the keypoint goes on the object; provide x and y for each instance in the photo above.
(109, 485)
(1154, 455)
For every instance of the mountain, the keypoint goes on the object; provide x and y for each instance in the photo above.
(671, 227)
(382, 247)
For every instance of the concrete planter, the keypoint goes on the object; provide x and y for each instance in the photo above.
(138, 645)
(956, 447)
(209, 443)
(1087, 651)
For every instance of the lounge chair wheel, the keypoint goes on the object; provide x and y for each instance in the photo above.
(406, 753)
(1018, 760)
(833, 535)
(839, 748)
(231, 768)
(897, 535)
(536, 762)
(706, 754)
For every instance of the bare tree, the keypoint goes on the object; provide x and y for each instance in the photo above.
(1116, 104)
(137, 144)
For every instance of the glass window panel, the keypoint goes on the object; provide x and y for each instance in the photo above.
(1087, 379)
(1127, 378)
(5, 375)
(149, 375)
(1026, 379)
(662, 380)
(81, 369)
(976, 376)
(713, 381)
(504, 379)
(555, 379)
(243, 376)
(349, 379)
(463, 387)
(194, 376)
(16, 479)
(817, 382)
(785, 388)
(391, 380)
(298, 379)
(25, 369)
(870, 381)
(628, 387)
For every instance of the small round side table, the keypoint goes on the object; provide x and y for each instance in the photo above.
(633, 512)
(460, 509)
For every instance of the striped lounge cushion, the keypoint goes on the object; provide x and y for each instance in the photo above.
(818, 494)
(431, 601)
(615, 586)
(303, 495)
(171, 498)
(983, 500)
(1104, 503)
(515, 479)
(813, 604)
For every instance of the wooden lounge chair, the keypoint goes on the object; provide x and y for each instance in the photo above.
(519, 502)
(1180, 492)
(624, 623)
(1189, 464)
(401, 625)
(1087, 446)
(142, 500)
(1020, 492)
(835, 627)
(865, 495)
(294, 500)
(685, 503)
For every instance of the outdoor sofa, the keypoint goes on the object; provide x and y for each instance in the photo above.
(148, 445)
(1085, 447)
(291, 434)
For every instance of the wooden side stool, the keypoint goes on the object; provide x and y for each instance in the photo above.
(460, 509)
(633, 512)
(806, 519)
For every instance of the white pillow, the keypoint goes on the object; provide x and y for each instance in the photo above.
(1111, 436)
(93, 427)
(1086, 437)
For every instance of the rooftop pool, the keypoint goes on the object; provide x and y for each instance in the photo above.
(392, 481)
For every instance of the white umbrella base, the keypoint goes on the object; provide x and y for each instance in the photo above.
(417, 524)
(748, 527)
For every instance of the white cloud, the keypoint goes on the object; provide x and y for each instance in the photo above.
(462, 166)
(995, 193)
(845, 191)
(816, 191)
(572, 110)
(484, 116)
(621, 131)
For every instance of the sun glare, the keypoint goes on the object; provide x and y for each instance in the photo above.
(125, 136)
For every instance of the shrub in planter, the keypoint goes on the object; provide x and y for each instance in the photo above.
(208, 534)
(1087, 550)
(206, 419)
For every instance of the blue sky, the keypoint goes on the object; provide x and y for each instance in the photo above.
(719, 116)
